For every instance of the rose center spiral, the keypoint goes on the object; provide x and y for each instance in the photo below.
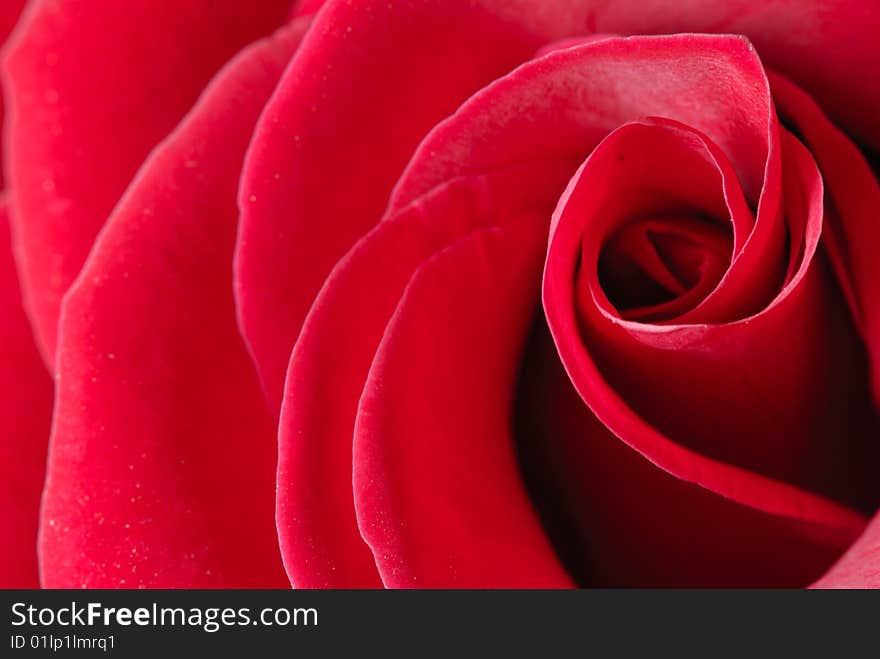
(656, 268)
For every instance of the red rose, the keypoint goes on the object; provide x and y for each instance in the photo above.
(424, 293)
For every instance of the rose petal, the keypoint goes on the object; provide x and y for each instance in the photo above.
(26, 395)
(320, 538)
(564, 103)
(801, 38)
(163, 454)
(852, 231)
(92, 87)
(438, 491)
(619, 520)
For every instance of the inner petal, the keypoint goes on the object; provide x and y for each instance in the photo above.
(666, 228)
(657, 268)
(777, 392)
(768, 409)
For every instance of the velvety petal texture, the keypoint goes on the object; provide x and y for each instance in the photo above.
(418, 293)
(162, 460)
(91, 87)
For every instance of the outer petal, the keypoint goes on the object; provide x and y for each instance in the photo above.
(438, 491)
(163, 454)
(400, 67)
(26, 395)
(366, 86)
(91, 88)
